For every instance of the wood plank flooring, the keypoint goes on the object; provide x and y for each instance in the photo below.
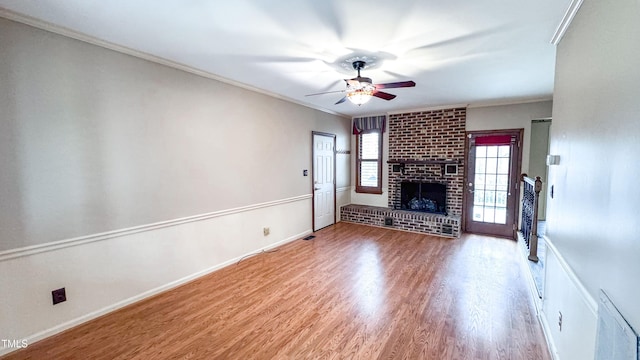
(354, 292)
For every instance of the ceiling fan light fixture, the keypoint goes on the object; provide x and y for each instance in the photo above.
(360, 96)
(360, 89)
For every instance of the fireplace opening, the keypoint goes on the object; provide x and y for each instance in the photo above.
(423, 196)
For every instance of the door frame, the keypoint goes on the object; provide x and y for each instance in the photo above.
(519, 133)
(313, 193)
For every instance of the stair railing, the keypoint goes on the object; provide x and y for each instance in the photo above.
(529, 223)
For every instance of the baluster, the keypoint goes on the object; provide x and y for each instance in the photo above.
(533, 249)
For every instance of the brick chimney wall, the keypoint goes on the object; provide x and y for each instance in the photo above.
(428, 135)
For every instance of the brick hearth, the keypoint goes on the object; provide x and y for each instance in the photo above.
(434, 224)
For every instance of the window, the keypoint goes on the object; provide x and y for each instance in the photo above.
(369, 162)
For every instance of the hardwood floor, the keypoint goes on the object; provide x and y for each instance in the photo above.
(354, 292)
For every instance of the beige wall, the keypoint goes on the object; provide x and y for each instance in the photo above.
(93, 140)
(514, 116)
(593, 217)
(121, 178)
(538, 159)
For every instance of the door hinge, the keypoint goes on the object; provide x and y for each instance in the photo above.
(514, 227)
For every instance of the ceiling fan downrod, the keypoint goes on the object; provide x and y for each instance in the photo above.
(358, 65)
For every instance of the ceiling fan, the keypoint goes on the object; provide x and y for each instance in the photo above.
(360, 89)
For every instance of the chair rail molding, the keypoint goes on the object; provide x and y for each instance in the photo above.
(60, 244)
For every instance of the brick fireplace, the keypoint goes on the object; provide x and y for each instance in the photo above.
(435, 137)
(421, 146)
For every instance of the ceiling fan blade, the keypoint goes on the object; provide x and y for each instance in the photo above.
(400, 84)
(333, 85)
(461, 40)
(326, 92)
(384, 95)
(341, 100)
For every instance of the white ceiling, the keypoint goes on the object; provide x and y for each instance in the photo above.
(457, 51)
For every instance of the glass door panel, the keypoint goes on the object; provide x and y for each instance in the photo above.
(491, 186)
(493, 164)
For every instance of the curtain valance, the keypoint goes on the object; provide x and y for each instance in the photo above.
(361, 124)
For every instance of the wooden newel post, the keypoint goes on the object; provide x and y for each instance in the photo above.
(533, 245)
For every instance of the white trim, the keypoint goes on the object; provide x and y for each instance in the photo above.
(60, 244)
(586, 297)
(546, 330)
(537, 301)
(92, 315)
(503, 102)
(343, 189)
(568, 17)
(432, 108)
(509, 102)
(73, 34)
(473, 105)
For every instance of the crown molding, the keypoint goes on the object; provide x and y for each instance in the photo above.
(467, 105)
(566, 21)
(430, 108)
(76, 35)
(510, 102)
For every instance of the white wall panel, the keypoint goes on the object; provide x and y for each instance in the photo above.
(564, 293)
(104, 275)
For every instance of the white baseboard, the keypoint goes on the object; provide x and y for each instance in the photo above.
(121, 304)
(537, 301)
(547, 335)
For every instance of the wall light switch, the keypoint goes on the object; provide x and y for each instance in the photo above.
(553, 159)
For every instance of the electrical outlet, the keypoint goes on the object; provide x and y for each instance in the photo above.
(266, 231)
(560, 320)
(58, 296)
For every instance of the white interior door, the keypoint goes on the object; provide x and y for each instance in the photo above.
(324, 191)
